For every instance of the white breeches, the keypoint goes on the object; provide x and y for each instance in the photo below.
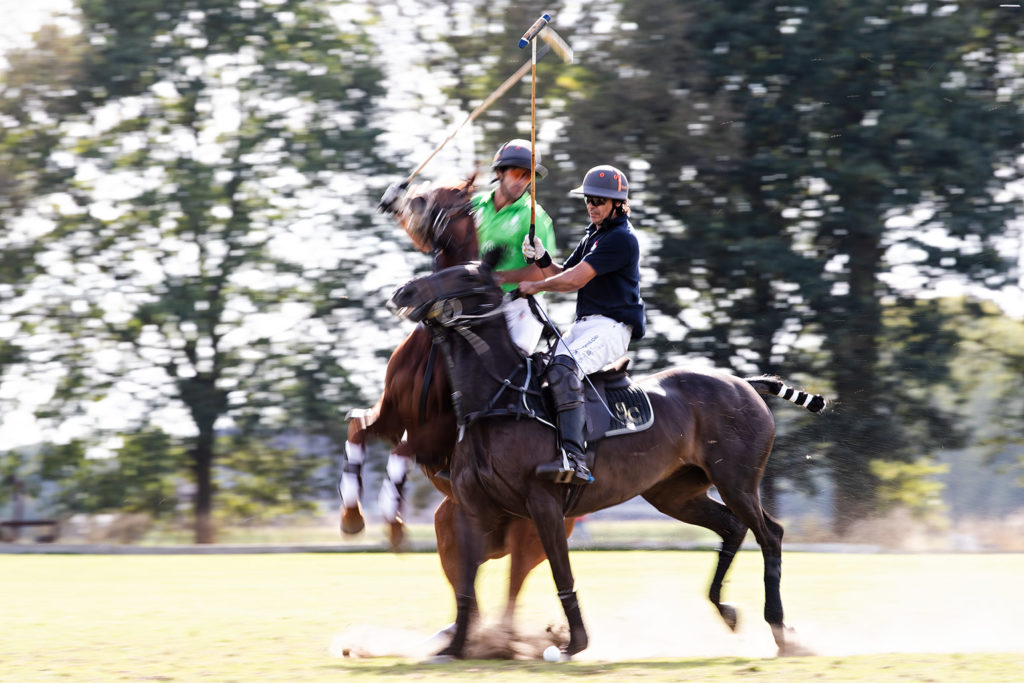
(522, 325)
(595, 341)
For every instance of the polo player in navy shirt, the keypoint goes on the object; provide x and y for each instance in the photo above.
(604, 270)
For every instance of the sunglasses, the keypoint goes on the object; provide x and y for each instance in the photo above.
(595, 201)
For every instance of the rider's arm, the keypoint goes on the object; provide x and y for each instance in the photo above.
(568, 280)
(526, 273)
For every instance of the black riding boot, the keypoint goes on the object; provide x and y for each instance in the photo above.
(567, 393)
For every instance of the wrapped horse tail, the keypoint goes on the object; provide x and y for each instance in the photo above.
(773, 385)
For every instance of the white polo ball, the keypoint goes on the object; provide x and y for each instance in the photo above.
(552, 654)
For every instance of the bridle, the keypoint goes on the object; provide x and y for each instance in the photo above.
(434, 224)
(447, 309)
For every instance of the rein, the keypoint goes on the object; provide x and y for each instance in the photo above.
(448, 315)
(540, 314)
(442, 242)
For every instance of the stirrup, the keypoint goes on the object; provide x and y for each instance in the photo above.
(565, 471)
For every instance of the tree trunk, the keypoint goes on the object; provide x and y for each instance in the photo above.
(862, 426)
(203, 463)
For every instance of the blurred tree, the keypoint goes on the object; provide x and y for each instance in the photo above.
(27, 137)
(259, 481)
(989, 367)
(851, 160)
(219, 145)
(911, 486)
(808, 171)
(138, 477)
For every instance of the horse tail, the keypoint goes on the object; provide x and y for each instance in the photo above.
(771, 384)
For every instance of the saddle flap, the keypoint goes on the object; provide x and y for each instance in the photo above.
(615, 405)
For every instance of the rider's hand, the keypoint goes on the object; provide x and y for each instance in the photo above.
(533, 251)
(527, 288)
(392, 196)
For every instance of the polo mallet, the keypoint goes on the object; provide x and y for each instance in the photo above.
(529, 38)
(541, 28)
(552, 43)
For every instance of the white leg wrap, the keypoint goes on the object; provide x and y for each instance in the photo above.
(390, 499)
(349, 490)
(349, 486)
(355, 452)
(398, 467)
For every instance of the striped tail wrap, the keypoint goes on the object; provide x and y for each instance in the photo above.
(776, 387)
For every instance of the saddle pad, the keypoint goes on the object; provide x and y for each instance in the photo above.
(631, 410)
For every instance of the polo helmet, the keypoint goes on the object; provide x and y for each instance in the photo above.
(603, 181)
(516, 153)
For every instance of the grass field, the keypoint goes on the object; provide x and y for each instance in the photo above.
(287, 618)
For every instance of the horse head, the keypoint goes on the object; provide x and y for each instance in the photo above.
(463, 295)
(440, 222)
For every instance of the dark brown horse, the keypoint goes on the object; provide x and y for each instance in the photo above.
(710, 429)
(417, 401)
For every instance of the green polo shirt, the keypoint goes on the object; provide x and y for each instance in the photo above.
(507, 228)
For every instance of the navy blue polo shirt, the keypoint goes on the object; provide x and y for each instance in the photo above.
(614, 253)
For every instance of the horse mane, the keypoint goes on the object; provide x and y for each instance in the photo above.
(492, 256)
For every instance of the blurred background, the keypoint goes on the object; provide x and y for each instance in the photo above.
(193, 273)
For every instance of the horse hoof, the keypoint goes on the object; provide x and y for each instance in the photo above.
(788, 643)
(575, 647)
(396, 535)
(448, 631)
(729, 615)
(352, 521)
(446, 654)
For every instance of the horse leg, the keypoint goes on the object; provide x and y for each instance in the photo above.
(469, 544)
(525, 553)
(746, 504)
(546, 511)
(392, 497)
(448, 552)
(710, 514)
(351, 486)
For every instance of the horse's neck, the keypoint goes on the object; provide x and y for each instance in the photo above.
(447, 260)
(462, 246)
(481, 358)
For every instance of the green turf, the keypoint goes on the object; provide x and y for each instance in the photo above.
(276, 617)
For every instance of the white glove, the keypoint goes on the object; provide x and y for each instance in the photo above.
(534, 251)
(391, 197)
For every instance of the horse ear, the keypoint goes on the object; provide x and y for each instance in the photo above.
(491, 257)
(470, 182)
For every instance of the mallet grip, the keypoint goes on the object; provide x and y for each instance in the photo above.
(532, 32)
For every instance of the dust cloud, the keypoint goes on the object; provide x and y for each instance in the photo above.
(649, 630)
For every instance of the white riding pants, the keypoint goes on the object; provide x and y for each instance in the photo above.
(595, 341)
(522, 324)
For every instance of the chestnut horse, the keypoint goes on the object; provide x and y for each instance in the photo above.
(710, 429)
(417, 401)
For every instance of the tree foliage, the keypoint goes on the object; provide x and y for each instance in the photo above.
(810, 171)
(211, 147)
(804, 175)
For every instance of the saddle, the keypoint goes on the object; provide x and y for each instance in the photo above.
(614, 404)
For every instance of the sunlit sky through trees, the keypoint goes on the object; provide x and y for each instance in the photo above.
(411, 133)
